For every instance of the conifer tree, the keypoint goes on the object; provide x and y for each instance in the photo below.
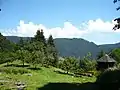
(51, 41)
(40, 36)
(52, 50)
(43, 40)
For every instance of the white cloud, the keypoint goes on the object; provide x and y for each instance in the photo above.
(85, 30)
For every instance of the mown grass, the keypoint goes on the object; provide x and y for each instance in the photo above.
(39, 78)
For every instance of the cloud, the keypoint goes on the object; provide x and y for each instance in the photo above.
(87, 30)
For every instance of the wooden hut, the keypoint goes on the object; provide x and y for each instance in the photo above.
(105, 62)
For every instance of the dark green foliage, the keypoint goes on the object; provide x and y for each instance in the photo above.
(116, 54)
(40, 36)
(35, 53)
(52, 57)
(50, 41)
(7, 57)
(2, 57)
(7, 50)
(5, 45)
(51, 52)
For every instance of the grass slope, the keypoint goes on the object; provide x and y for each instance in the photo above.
(40, 78)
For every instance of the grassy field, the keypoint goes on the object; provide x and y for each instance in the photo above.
(39, 78)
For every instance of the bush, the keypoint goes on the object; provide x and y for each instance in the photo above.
(10, 70)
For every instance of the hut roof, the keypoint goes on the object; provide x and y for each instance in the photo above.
(106, 58)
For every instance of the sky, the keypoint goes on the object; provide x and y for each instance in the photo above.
(88, 19)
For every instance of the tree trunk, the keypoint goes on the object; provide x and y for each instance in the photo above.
(23, 63)
(67, 72)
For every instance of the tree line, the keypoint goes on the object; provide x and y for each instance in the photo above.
(41, 51)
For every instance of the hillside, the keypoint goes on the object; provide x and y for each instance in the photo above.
(75, 47)
(36, 78)
(108, 47)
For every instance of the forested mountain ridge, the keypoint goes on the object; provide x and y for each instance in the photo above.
(77, 47)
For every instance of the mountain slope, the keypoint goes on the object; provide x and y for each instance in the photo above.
(109, 47)
(75, 47)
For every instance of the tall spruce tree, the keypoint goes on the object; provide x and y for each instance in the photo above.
(37, 36)
(52, 50)
(43, 37)
(51, 41)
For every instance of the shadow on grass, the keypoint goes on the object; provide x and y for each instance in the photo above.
(16, 65)
(79, 86)
(31, 68)
(69, 86)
